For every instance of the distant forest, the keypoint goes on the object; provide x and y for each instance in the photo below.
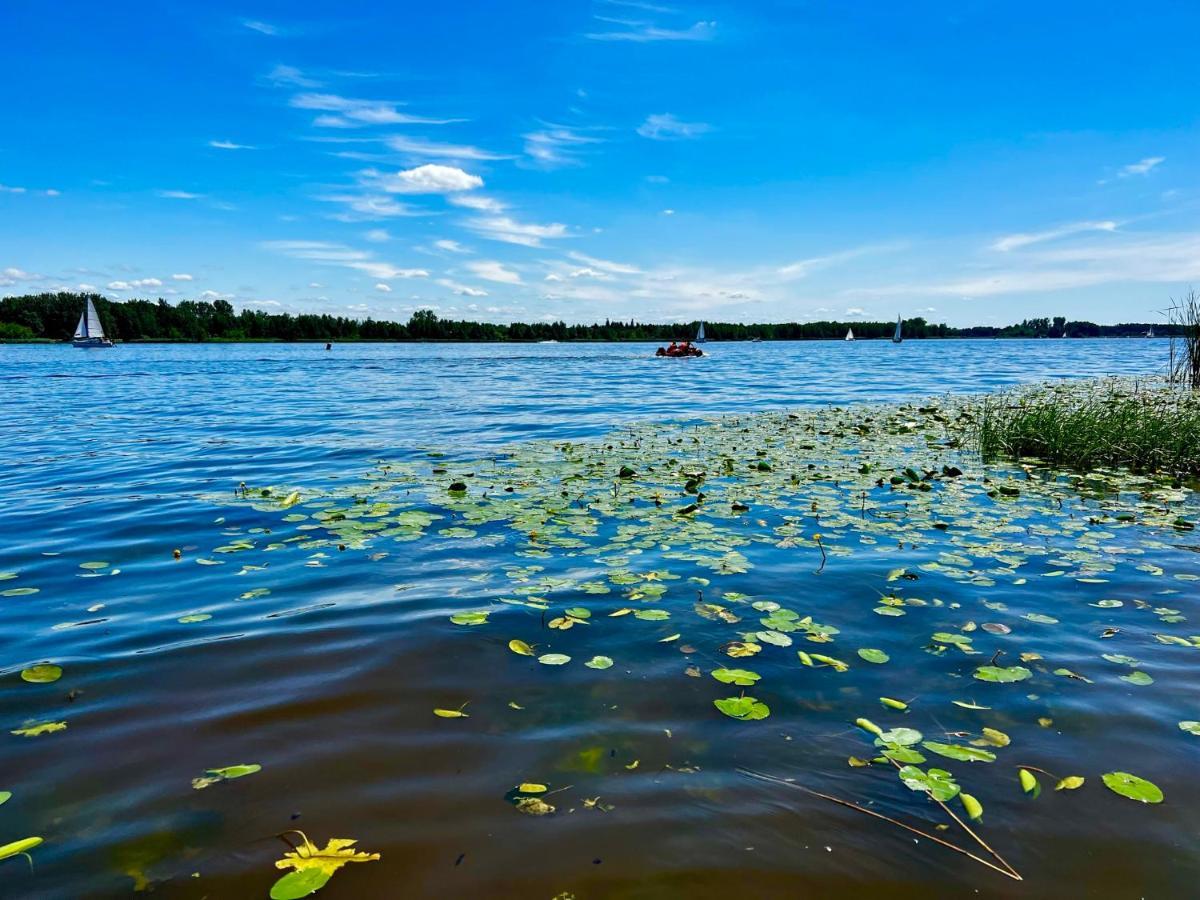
(54, 316)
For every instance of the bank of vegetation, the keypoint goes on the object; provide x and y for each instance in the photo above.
(53, 316)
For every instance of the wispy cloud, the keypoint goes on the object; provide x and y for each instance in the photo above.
(639, 31)
(802, 268)
(491, 270)
(290, 76)
(367, 207)
(666, 127)
(355, 113)
(179, 195)
(182, 276)
(16, 189)
(479, 202)
(510, 231)
(230, 145)
(261, 27)
(1142, 167)
(556, 145)
(1015, 241)
(421, 147)
(605, 265)
(451, 246)
(329, 253)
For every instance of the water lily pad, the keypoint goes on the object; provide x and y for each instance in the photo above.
(1133, 787)
(599, 662)
(1138, 678)
(1001, 674)
(874, 656)
(956, 751)
(470, 618)
(45, 673)
(735, 676)
(554, 659)
(744, 708)
(1190, 727)
(938, 783)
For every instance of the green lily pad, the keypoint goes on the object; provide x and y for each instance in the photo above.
(955, 751)
(44, 673)
(743, 708)
(735, 676)
(874, 656)
(1001, 674)
(1133, 787)
(599, 662)
(554, 659)
(469, 618)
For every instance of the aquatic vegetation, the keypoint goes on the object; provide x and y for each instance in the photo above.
(43, 673)
(644, 547)
(225, 773)
(1146, 426)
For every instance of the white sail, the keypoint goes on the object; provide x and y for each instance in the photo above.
(700, 334)
(81, 330)
(896, 337)
(94, 328)
(849, 334)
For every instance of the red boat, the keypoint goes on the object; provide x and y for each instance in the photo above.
(679, 349)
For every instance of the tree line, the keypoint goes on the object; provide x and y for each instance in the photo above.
(53, 316)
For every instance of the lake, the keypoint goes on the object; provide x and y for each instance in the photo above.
(313, 626)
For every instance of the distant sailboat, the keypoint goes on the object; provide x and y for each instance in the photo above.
(700, 334)
(89, 333)
(1150, 333)
(849, 334)
(896, 337)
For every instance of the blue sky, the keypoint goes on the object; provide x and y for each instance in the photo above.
(972, 162)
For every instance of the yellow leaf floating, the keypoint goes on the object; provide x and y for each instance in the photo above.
(531, 788)
(520, 647)
(313, 867)
(41, 728)
(17, 847)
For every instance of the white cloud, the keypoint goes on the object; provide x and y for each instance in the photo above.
(490, 270)
(668, 212)
(1142, 167)
(643, 32)
(556, 145)
(422, 147)
(10, 189)
(118, 285)
(260, 27)
(430, 178)
(340, 255)
(291, 76)
(510, 231)
(384, 288)
(353, 112)
(1015, 241)
(451, 246)
(182, 276)
(463, 290)
(179, 195)
(378, 236)
(605, 265)
(479, 202)
(21, 274)
(51, 192)
(369, 207)
(666, 127)
(230, 145)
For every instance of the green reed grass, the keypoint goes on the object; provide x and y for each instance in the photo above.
(1147, 428)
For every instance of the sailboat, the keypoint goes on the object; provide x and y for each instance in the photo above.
(1150, 333)
(89, 333)
(700, 334)
(849, 334)
(896, 337)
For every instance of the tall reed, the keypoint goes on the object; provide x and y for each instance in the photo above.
(1184, 365)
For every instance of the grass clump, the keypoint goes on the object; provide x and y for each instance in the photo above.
(1148, 429)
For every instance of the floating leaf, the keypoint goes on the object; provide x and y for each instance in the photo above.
(973, 807)
(652, 615)
(450, 714)
(735, 676)
(956, 751)
(40, 729)
(1139, 678)
(18, 847)
(1070, 783)
(893, 704)
(520, 647)
(192, 618)
(45, 673)
(314, 867)
(469, 618)
(902, 736)
(1002, 674)
(534, 806)
(744, 708)
(995, 738)
(554, 659)
(938, 783)
(1133, 787)
(874, 656)
(1190, 727)
(599, 662)
(1029, 783)
(528, 787)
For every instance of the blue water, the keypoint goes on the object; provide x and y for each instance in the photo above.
(116, 456)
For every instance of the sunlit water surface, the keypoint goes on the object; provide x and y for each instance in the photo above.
(329, 681)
